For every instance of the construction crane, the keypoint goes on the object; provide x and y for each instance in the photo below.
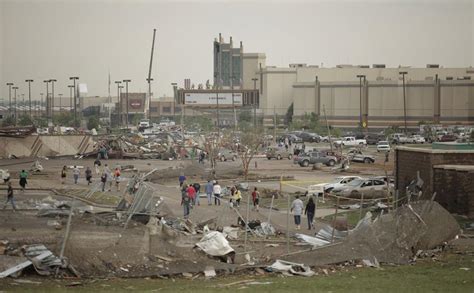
(149, 79)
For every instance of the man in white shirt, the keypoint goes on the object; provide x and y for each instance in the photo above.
(297, 208)
(217, 190)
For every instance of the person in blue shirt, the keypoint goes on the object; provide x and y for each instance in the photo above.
(181, 179)
(209, 190)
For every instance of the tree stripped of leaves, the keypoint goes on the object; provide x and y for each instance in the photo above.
(250, 143)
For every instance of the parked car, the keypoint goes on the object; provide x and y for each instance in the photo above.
(368, 188)
(338, 182)
(448, 138)
(278, 153)
(350, 141)
(355, 155)
(373, 138)
(415, 139)
(316, 157)
(226, 154)
(383, 146)
(309, 137)
(291, 137)
(399, 138)
(326, 138)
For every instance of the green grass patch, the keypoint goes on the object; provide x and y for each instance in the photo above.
(449, 274)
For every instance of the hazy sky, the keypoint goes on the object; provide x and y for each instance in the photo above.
(58, 39)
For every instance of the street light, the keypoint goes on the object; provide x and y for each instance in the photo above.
(23, 104)
(47, 98)
(121, 110)
(60, 106)
(404, 99)
(10, 98)
(175, 87)
(126, 96)
(52, 97)
(29, 81)
(15, 88)
(149, 80)
(41, 104)
(119, 101)
(254, 102)
(74, 78)
(70, 96)
(360, 77)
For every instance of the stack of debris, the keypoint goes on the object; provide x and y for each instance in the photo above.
(14, 261)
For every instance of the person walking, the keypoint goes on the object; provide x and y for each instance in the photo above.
(297, 209)
(103, 179)
(237, 197)
(309, 212)
(109, 176)
(197, 187)
(88, 175)
(75, 173)
(191, 193)
(63, 174)
(117, 178)
(209, 191)
(23, 181)
(217, 190)
(255, 199)
(10, 197)
(97, 166)
(185, 202)
(181, 180)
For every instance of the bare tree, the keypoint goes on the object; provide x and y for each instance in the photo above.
(250, 142)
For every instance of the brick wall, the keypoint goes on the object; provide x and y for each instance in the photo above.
(447, 184)
(455, 190)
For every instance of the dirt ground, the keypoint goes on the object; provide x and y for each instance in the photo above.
(96, 248)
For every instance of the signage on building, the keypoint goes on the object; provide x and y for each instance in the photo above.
(135, 103)
(211, 99)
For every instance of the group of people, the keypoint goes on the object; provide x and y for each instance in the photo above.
(190, 195)
(106, 175)
(23, 182)
(298, 207)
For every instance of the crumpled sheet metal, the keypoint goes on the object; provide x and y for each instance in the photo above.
(215, 244)
(292, 268)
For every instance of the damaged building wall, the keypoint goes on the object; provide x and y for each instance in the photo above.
(454, 186)
(409, 161)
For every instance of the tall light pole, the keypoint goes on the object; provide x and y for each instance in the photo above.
(10, 98)
(15, 88)
(60, 105)
(70, 96)
(23, 103)
(360, 77)
(41, 104)
(119, 102)
(149, 80)
(29, 81)
(126, 81)
(404, 99)
(175, 87)
(47, 99)
(254, 102)
(121, 109)
(52, 98)
(74, 78)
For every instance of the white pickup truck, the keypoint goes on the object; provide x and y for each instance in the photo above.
(350, 141)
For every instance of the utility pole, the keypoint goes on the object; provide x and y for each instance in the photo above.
(74, 78)
(274, 124)
(233, 103)
(29, 81)
(119, 102)
(149, 79)
(148, 111)
(10, 98)
(360, 77)
(404, 100)
(126, 81)
(41, 104)
(217, 110)
(15, 88)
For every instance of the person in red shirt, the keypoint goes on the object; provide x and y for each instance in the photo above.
(256, 199)
(191, 193)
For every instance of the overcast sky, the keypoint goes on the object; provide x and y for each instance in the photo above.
(57, 39)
